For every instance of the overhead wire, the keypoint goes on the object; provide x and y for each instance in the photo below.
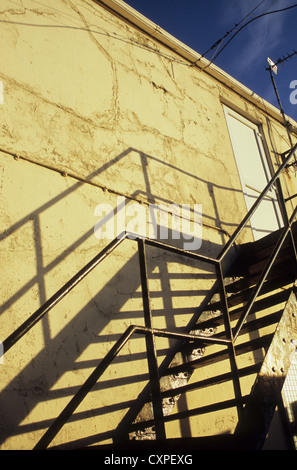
(246, 24)
(219, 42)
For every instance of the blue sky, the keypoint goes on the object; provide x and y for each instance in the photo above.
(201, 23)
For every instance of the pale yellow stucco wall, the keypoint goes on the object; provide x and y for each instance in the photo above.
(93, 110)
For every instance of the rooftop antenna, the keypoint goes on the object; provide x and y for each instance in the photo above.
(273, 71)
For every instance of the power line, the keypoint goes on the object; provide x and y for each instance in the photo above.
(246, 24)
(217, 43)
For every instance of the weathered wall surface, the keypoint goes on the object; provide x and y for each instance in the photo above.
(93, 111)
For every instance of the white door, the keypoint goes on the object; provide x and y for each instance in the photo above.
(254, 173)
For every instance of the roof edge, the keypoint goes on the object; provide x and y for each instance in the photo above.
(158, 33)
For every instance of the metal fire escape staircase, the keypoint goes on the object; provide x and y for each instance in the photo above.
(264, 274)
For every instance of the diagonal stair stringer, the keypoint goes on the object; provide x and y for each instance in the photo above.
(266, 391)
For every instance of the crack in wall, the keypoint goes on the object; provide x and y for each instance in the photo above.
(103, 51)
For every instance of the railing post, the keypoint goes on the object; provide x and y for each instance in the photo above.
(229, 335)
(151, 347)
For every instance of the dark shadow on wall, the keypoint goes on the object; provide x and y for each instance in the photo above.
(42, 270)
(32, 386)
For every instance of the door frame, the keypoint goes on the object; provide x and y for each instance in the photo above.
(264, 158)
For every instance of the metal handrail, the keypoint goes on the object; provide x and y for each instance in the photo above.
(61, 293)
(264, 275)
(148, 330)
(256, 204)
(101, 368)
(78, 277)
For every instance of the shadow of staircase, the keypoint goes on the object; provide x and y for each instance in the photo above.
(256, 345)
(234, 356)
